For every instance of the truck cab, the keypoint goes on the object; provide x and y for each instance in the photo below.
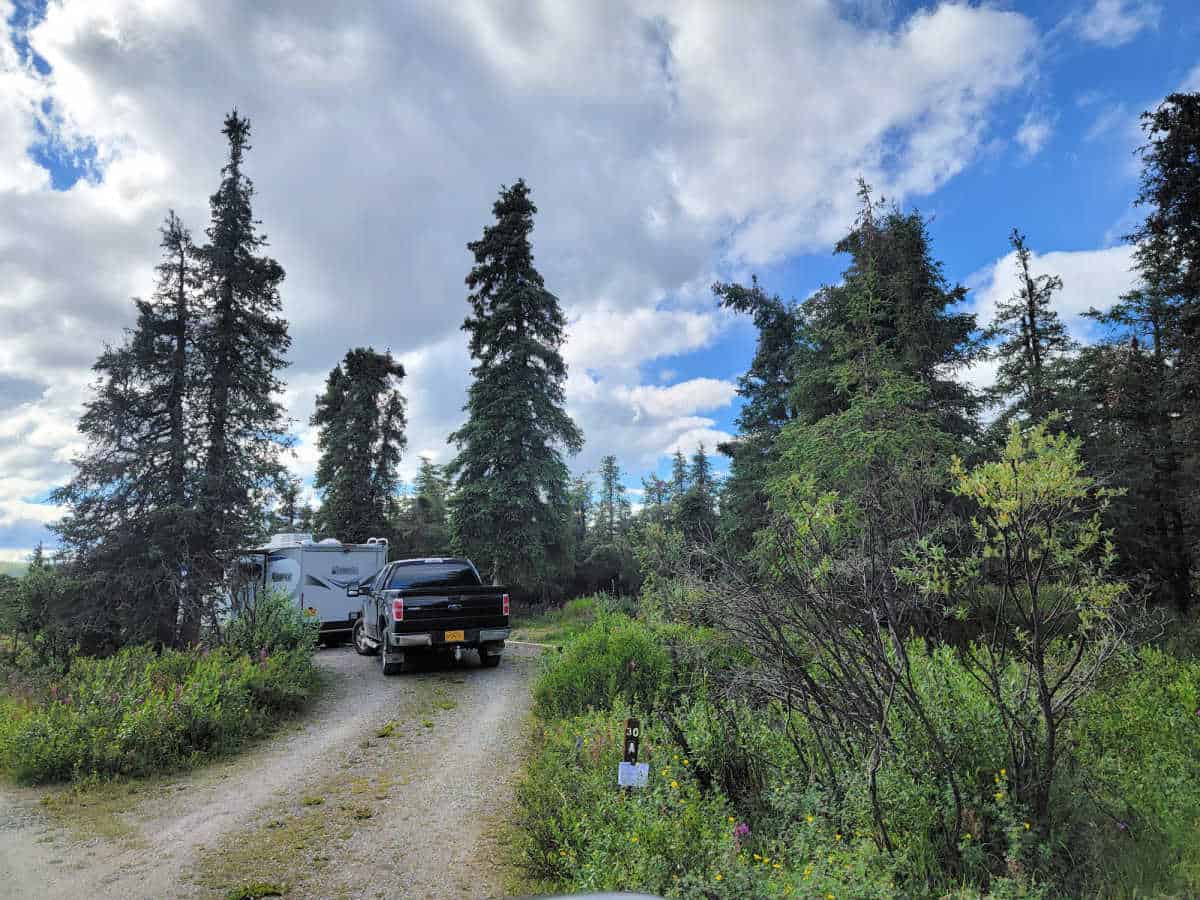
(426, 605)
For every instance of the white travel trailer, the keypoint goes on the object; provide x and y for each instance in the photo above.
(314, 574)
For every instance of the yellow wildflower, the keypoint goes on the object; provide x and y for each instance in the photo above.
(776, 866)
(718, 876)
(838, 836)
(999, 795)
(685, 762)
(810, 818)
(756, 856)
(674, 785)
(1026, 826)
(1003, 773)
(732, 820)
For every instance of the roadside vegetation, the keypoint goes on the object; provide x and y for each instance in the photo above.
(928, 642)
(140, 711)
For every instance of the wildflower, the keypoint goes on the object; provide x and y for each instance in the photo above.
(999, 795)
(967, 836)
(633, 840)
(838, 836)
(810, 819)
(674, 785)
(741, 830)
(1004, 773)
(685, 762)
(731, 818)
(664, 774)
(1026, 826)
(718, 876)
(776, 865)
(757, 857)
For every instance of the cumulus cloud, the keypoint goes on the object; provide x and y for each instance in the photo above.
(1116, 22)
(664, 141)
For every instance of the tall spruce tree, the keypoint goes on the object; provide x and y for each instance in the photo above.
(1032, 343)
(242, 343)
(658, 495)
(765, 390)
(360, 420)
(132, 524)
(510, 508)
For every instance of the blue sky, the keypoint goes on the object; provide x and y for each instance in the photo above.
(668, 145)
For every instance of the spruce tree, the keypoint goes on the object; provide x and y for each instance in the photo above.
(696, 514)
(613, 510)
(766, 392)
(657, 493)
(242, 343)
(428, 526)
(679, 475)
(132, 524)
(510, 507)
(1033, 341)
(361, 420)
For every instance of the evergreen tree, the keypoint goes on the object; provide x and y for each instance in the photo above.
(242, 343)
(696, 514)
(581, 510)
(612, 513)
(510, 508)
(679, 475)
(428, 528)
(132, 525)
(893, 301)
(287, 510)
(1032, 341)
(765, 390)
(658, 494)
(360, 417)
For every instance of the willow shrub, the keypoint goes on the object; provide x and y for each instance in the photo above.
(138, 712)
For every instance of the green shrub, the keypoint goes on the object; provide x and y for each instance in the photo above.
(271, 624)
(615, 657)
(1139, 752)
(137, 712)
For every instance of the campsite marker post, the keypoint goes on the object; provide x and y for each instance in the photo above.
(631, 773)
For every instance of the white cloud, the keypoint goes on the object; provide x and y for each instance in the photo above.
(1116, 22)
(1192, 81)
(1035, 130)
(664, 141)
(1091, 278)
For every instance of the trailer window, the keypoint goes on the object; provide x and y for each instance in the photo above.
(432, 575)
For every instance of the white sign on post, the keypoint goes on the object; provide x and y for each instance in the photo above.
(633, 774)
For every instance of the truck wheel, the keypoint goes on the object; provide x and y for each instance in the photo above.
(488, 662)
(390, 663)
(361, 644)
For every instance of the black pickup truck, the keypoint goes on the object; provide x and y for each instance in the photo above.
(429, 604)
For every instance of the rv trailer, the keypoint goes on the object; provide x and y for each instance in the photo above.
(314, 575)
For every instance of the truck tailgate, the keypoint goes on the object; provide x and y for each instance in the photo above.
(454, 608)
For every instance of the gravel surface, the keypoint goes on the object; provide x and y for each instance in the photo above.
(389, 787)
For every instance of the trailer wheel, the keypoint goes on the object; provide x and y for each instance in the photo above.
(361, 645)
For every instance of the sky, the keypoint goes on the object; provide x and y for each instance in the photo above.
(668, 145)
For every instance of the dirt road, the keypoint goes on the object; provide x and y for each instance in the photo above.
(388, 788)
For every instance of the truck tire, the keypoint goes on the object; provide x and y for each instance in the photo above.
(488, 662)
(361, 646)
(390, 663)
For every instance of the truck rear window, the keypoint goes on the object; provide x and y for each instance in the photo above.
(433, 575)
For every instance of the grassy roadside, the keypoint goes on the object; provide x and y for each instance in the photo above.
(556, 626)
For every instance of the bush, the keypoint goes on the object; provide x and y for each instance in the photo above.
(272, 623)
(1139, 753)
(137, 712)
(615, 657)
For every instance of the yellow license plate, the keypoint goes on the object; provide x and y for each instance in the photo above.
(455, 636)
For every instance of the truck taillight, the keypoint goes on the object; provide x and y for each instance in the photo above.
(398, 609)
(504, 604)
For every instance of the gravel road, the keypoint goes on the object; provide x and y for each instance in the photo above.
(387, 788)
